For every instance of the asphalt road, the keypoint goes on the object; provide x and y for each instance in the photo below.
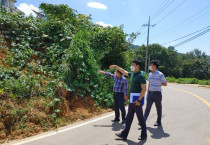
(186, 121)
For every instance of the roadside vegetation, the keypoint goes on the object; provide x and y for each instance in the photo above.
(188, 81)
(48, 69)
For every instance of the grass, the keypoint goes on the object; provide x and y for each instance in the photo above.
(188, 81)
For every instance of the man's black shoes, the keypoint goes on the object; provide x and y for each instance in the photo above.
(115, 120)
(142, 137)
(120, 136)
(157, 124)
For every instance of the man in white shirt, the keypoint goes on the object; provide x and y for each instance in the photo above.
(156, 80)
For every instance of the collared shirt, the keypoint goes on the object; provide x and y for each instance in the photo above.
(156, 79)
(137, 79)
(120, 84)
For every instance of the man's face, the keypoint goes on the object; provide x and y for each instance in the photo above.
(153, 67)
(117, 74)
(136, 66)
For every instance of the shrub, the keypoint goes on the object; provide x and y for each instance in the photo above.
(188, 81)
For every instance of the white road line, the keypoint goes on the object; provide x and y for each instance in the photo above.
(62, 130)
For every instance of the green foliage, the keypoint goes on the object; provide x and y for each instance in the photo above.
(80, 60)
(85, 80)
(65, 47)
(17, 115)
(208, 57)
(59, 12)
(17, 84)
(188, 81)
(109, 45)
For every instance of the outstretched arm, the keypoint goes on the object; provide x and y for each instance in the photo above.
(101, 72)
(106, 73)
(120, 69)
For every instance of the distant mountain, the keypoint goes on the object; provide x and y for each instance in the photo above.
(132, 46)
(208, 57)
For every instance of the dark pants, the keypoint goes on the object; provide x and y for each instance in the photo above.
(157, 98)
(119, 105)
(132, 108)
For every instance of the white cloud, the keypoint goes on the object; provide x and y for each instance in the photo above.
(97, 5)
(27, 9)
(103, 24)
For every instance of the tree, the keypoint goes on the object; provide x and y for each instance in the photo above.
(192, 64)
(195, 64)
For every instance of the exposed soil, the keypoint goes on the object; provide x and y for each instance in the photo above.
(23, 118)
(3, 55)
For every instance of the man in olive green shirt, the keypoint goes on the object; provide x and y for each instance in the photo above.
(137, 92)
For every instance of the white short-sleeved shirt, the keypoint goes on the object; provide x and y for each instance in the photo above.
(156, 79)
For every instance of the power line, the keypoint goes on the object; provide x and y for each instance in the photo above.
(186, 19)
(193, 16)
(167, 4)
(192, 38)
(161, 7)
(185, 36)
(156, 12)
(181, 27)
(171, 11)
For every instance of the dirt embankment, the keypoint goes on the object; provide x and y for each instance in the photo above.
(21, 118)
(24, 117)
(3, 55)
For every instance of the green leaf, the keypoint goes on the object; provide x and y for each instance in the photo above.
(57, 110)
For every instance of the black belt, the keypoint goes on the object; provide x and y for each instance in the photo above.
(154, 92)
(118, 92)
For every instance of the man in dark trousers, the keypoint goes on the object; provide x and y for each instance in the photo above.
(137, 92)
(156, 80)
(120, 89)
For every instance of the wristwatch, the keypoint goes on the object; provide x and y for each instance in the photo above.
(139, 100)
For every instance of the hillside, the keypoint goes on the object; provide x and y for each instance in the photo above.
(48, 69)
(133, 47)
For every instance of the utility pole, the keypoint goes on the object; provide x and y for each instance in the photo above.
(146, 58)
(148, 64)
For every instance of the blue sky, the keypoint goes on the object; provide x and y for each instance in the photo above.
(134, 13)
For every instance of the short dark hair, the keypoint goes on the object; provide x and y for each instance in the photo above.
(119, 72)
(137, 62)
(155, 62)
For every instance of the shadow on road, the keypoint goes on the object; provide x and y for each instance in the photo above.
(115, 126)
(158, 132)
(130, 142)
